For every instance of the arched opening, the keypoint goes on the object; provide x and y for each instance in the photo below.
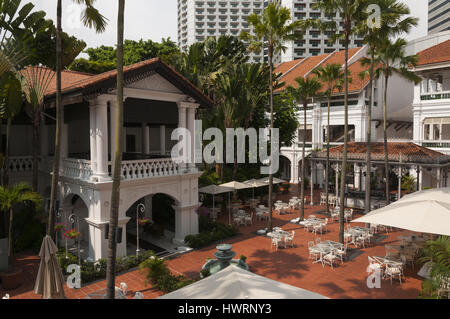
(155, 235)
(73, 215)
(285, 168)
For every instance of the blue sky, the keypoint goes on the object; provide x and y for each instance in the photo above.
(155, 19)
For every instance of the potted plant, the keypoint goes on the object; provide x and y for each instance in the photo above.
(10, 197)
(59, 227)
(144, 221)
(72, 234)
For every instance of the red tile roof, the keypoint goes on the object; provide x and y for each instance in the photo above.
(307, 65)
(72, 81)
(436, 54)
(408, 152)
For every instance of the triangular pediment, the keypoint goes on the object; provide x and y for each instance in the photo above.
(155, 82)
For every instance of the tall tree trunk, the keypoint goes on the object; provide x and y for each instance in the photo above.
(10, 237)
(327, 168)
(6, 159)
(369, 138)
(386, 156)
(270, 222)
(59, 119)
(36, 126)
(115, 194)
(302, 182)
(344, 155)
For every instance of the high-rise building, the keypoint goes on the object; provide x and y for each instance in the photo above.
(314, 42)
(199, 19)
(438, 15)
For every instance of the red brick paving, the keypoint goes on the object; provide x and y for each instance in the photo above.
(290, 265)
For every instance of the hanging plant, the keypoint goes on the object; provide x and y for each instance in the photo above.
(144, 221)
(72, 234)
(59, 227)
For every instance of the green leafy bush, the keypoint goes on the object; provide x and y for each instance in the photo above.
(210, 232)
(160, 276)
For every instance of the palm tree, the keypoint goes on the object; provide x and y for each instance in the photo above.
(333, 76)
(306, 90)
(91, 18)
(10, 106)
(436, 253)
(391, 59)
(10, 197)
(392, 23)
(115, 192)
(351, 12)
(35, 82)
(274, 28)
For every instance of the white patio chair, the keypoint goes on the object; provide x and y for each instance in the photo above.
(329, 259)
(290, 239)
(317, 228)
(248, 219)
(318, 240)
(315, 254)
(138, 295)
(277, 242)
(341, 252)
(393, 271)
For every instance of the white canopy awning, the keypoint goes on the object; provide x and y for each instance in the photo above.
(426, 211)
(215, 189)
(275, 180)
(236, 185)
(236, 283)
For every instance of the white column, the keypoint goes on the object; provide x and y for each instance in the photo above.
(113, 126)
(102, 139)
(162, 139)
(186, 223)
(191, 128)
(438, 177)
(182, 124)
(146, 139)
(93, 136)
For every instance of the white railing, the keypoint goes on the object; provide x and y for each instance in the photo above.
(435, 96)
(20, 164)
(76, 168)
(149, 168)
(436, 143)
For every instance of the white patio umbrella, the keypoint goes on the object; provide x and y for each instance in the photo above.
(215, 190)
(254, 183)
(275, 180)
(236, 283)
(235, 186)
(426, 211)
(50, 280)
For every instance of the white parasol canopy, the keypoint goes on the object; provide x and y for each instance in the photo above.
(254, 183)
(214, 190)
(426, 211)
(236, 283)
(236, 185)
(265, 180)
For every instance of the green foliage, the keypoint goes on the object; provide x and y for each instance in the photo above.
(210, 232)
(28, 231)
(205, 273)
(208, 178)
(437, 253)
(91, 271)
(285, 117)
(408, 183)
(160, 276)
(103, 58)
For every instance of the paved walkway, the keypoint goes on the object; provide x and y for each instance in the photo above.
(290, 265)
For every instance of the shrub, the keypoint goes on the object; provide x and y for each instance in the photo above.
(159, 275)
(212, 231)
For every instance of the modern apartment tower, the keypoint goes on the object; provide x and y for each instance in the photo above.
(199, 19)
(314, 42)
(438, 15)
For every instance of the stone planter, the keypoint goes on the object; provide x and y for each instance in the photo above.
(11, 280)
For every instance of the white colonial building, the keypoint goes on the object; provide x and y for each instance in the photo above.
(400, 123)
(157, 100)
